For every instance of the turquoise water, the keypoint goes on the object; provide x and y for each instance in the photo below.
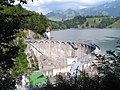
(105, 38)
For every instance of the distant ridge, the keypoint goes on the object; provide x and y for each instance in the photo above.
(109, 9)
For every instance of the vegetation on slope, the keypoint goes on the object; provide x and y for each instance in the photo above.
(56, 25)
(8, 50)
(21, 64)
(89, 22)
(73, 23)
(115, 24)
(106, 22)
(12, 18)
(27, 20)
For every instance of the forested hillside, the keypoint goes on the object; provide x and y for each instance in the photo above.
(28, 19)
(89, 22)
(13, 21)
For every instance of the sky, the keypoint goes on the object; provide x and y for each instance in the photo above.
(46, 6)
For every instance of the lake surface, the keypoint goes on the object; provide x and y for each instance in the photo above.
(105, 38)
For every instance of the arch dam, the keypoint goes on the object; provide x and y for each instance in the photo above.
(54, 57)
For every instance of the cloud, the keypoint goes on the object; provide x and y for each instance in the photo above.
(91, 1)
(43, 10)
(34, 3)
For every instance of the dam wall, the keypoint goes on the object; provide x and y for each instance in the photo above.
(57, 56)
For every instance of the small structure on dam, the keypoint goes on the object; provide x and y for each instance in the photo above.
(54, 57)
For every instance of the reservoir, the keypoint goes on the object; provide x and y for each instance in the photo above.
(106, 39)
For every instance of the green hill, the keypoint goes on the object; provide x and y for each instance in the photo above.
(90, 22)
(115, 24)
(28, 19)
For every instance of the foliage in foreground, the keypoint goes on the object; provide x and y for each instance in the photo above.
(12, 18)
(8, 49)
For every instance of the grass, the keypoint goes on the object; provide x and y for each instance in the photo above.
(115, 25)
(93, 22)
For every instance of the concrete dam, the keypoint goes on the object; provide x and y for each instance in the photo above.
(54, 57)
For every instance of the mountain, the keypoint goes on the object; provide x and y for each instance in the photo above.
(70, 13)
(62, 15)
(56, 15)
(109, 9)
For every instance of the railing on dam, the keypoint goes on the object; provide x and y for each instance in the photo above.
(54, 54)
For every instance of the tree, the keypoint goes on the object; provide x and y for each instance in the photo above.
(94, 20)
(109, 70)
(12, 18)
(8, 47)
(83, 26)
(87, 24)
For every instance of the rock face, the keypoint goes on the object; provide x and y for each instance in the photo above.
(55, 56)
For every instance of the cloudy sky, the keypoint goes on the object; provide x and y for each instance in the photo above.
(46, 6)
